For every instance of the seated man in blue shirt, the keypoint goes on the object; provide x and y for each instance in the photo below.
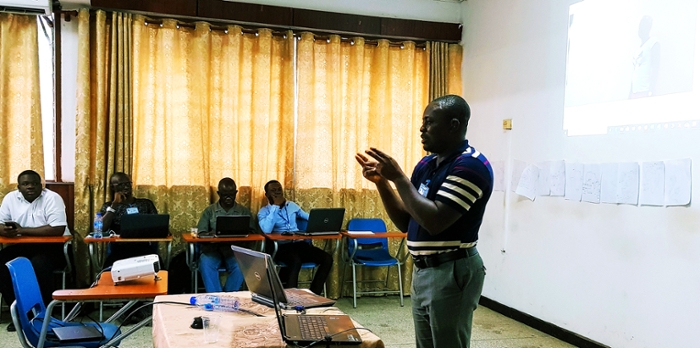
(215, 255)
(281, 216)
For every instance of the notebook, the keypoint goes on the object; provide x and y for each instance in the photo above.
(144, 226)
(297, 329)
(324, 221)
(77, 333)
(253, 265)
(232, 226)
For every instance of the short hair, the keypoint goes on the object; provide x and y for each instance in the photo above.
(271, 182)
(116, 174)
(454, 106)
(28, 172)
(226, 182)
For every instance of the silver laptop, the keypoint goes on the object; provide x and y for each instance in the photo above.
(297, 329)
(253, 265)
(324, 221)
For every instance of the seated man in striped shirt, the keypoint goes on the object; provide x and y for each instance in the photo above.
(441, 207)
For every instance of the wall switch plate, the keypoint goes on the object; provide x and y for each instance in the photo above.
(508, 124)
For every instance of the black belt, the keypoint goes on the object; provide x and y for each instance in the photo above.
(427, 261)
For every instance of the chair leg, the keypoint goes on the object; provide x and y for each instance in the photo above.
(398, 267)
(354, 286)
(63, 305)
(342, 280)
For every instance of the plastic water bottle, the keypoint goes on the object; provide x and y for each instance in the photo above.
(216, 303)
(97, 232)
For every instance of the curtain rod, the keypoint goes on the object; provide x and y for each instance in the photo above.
(222, 26)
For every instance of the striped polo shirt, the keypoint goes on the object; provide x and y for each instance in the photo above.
(464, 182)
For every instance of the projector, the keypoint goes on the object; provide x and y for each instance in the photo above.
(135, 268)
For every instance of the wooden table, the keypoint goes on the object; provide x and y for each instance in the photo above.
(134, 291)
(66, 240)
(97, 257)
(191, 257)
(171, 325)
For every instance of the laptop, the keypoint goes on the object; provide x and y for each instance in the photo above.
(77, 333)
(253, 264)
(298, 329)
(232, 226)
(324, 221)
(145, 226)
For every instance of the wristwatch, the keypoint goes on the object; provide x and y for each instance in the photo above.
(110, 209)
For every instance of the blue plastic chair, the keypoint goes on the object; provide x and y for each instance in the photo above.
(28, 302)
(371, 252)
(301, 225)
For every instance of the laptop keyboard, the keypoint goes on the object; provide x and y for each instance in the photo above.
(312, 327)
(295, 299)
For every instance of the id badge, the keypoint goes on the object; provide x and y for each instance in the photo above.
(132, 210)
(423, 190)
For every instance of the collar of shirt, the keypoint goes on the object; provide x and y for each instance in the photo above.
(234, 209)
(20, 196)
(462, 147)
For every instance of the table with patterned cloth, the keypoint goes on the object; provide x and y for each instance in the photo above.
(171, 325)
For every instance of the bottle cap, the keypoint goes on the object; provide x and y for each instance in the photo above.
(193, 300)
(208, 307)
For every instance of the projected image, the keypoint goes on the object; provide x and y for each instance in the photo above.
(621, 51)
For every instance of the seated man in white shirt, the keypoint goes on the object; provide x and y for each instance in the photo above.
(34, 211)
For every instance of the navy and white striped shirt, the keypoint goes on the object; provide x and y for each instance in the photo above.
(464, 182)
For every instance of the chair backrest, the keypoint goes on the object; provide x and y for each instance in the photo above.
(375, 225)
(302, 224)
(27, 294)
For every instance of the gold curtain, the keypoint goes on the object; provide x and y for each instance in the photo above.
(209, 104)
(454, 70)
(352, 96)
(445, 69)
(20, 109)
(103, 119)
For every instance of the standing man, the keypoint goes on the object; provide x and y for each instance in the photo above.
(38, 212)
(281, 216)
(441, 207)
(215, 254)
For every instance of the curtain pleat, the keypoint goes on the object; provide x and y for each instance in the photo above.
(103, 119)
(229, 115)
(352, 96)
(21, 139)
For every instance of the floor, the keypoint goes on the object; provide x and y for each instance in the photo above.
(388, 320)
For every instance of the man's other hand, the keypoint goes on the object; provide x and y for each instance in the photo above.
(10, 229)
(369, 168)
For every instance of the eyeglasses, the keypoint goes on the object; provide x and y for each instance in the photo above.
(122, 185)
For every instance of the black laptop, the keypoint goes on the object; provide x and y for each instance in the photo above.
(324, 221)
(232, 226)
(298, 329)
(253, 266)
(145, 226)
(77, 333)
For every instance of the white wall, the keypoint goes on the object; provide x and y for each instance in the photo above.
(625, 276)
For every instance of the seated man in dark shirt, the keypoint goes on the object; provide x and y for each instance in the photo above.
(123, 203)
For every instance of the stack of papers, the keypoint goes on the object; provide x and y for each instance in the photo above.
(360, 232)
